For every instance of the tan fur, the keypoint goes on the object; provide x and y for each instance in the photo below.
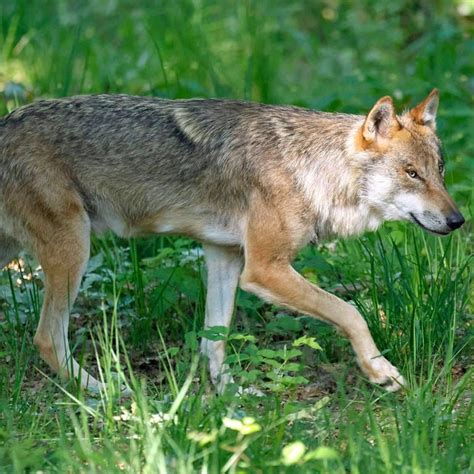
(254, 183)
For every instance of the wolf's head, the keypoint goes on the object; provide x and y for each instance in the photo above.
(404, 178)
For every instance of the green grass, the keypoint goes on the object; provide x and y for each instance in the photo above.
(139, 317)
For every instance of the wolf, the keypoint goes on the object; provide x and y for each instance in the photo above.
(253, 183)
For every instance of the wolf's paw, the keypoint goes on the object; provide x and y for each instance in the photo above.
(382, 372)
(227, 380)
(99, 388)
(250, 391)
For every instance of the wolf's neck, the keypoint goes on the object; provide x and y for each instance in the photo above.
(331, 175)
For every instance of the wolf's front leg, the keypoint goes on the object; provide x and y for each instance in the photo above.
(284, 286)
(223, 270)
(268, 274)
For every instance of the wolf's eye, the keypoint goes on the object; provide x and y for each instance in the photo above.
(412, 173)
(441, 168)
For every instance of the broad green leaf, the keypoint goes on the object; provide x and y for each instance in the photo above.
(241, 337)
(215, 333)
(321, 454)
(191, 341)
(307, 341)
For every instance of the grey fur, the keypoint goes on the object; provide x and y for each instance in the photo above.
(142, 155)
(253, 182)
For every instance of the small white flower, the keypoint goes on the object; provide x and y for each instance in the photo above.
(247, 426)
(160, 419)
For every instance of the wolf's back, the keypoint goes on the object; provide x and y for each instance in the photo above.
(136, 152)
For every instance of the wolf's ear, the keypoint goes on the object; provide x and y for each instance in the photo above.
(380, 121)
(425, 112)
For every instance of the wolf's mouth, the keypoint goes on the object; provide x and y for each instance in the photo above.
(437, 232)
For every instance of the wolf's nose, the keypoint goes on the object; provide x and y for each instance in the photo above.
(455, 220)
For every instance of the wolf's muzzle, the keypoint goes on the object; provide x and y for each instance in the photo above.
(455, 220)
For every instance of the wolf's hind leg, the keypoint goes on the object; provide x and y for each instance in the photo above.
(64, 259)
(223, 270)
